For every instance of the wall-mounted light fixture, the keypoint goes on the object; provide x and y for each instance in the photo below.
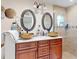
(40, 5)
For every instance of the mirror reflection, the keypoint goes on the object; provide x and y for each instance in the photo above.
(47, 21)
(28, 20)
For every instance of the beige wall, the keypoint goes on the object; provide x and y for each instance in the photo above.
(19, 6)
(72, 15)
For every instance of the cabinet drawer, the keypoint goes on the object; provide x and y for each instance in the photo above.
(43, 51)
(20, 46)
(26, 54)
(56, 41)
(26, 51)
(43, 43)
(45, 57)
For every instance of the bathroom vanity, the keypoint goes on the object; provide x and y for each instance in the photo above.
(40, 47)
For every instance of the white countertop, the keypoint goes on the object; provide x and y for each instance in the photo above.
(38, 38)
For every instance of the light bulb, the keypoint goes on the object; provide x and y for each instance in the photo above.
(34, 6)
(40, 7)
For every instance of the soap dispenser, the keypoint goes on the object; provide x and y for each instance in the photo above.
(39, 31)
(14, 26)
(45, 32)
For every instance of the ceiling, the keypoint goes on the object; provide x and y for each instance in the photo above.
(62, 3)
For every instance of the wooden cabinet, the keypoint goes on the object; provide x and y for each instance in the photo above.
(49, 49)
(56, 49)
(26, 50)
(26, 54)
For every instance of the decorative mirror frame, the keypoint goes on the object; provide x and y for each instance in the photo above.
(21, 20)
(43, 25)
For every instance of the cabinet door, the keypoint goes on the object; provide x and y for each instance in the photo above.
(42, 51)
(26, 54)
(56, 51)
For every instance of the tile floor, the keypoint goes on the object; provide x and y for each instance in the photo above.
(67, 55)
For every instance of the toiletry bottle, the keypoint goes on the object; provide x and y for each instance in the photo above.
(38, 31)
(14, 26)
(45, 32)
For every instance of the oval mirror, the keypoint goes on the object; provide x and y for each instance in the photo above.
(47, 21)
(28, 20)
